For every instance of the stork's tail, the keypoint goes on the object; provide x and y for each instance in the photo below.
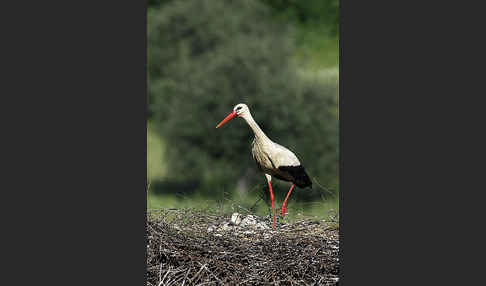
(301, 179)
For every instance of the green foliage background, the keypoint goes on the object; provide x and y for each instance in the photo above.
(204, 57)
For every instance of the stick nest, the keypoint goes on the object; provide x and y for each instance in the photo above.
(188, 247)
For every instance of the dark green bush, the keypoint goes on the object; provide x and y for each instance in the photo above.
(206, 56)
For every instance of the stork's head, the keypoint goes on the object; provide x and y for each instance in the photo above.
(240, 109)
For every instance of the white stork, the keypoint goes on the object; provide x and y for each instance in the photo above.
(271, 158)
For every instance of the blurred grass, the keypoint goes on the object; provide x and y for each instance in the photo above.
(156, 169)
(250, 204)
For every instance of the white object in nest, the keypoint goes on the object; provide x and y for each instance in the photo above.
(236, 218)
(248, 221)
(262, 225)
(226, 226)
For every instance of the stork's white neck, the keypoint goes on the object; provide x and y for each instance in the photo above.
(259, 135)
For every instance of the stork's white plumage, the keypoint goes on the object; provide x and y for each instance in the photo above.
(271, 158)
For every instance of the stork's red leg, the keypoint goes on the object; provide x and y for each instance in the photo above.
(285, 201)
(271, 198)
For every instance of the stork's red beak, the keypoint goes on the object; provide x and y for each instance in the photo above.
(227, 118)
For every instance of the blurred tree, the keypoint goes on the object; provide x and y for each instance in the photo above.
(309, 12)
(156, 3)
(206, 56)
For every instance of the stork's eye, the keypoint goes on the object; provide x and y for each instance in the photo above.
(238, 108)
